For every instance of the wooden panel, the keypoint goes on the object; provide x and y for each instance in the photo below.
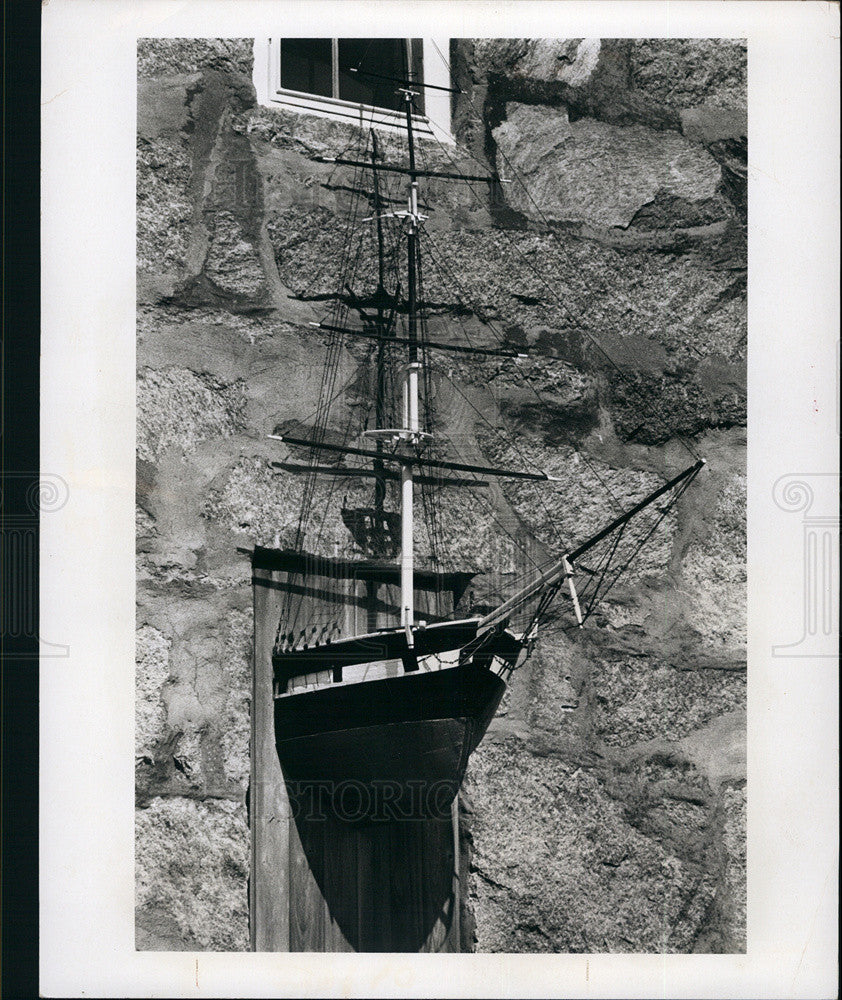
(435, 853)
(318, 885)
(453, 942)
(268, 804)
(396, 888)
(307, 907)
(340, 887)
(372, 922)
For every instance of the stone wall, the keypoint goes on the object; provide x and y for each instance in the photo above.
(605, 810)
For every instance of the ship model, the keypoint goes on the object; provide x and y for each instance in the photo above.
(383, 714)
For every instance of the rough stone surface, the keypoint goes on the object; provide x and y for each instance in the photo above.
(605, 809)
(687, 72)
(179, 408)
(734, 838)
(160, 56)
(564, 867)
(151, 674)
(232, 264)
(566, 60)
(589, 171)
(192, 864)
(637, 700)
(715, 571)
(164, 209)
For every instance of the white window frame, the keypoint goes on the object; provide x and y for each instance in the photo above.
(434, 123)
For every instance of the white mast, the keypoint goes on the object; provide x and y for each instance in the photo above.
(410, 393)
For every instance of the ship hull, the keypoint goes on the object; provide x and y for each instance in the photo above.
(393, 748)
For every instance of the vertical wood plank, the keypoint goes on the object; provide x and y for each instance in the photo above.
(437, 887)
(426, 841)
(410, 874)
(378, 900)
(340, 886)
(394, 887)
(445, 936)
(366, 900)
(268, 804)
(454, 938)
(306, 903)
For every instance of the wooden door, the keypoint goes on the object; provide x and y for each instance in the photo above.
(321, 885)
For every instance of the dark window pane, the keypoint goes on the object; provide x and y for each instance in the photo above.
(306, 65)
(385, 56)
(417, 51)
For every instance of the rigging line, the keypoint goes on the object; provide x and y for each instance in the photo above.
(347, 271)
(432, 497)
(678, 493)
(467, 301)
(503, 528)
(607, 562)
(354, 142)
(340, 390)
(513, 444)
(509, 443)
(497, 521)
(595, 597)
(334, 482)
(423, 337)
(555, 531)
(428, 497)
(351, 223)
(601, 567)
(428, 245)
(509, 240)
(428, 491)
(558, 536)
(543, 604)
(604, 290)
(328, 382)
(581, 454)
(601, 562)
(427, 502)
(335, 479)
(336, 307)
(473, 156)
(443, 266)
(429, 506)
(362, 58)
(542, 279)
(440, 267)
(444, 60)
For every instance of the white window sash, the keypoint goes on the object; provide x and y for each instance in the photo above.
(267, 78)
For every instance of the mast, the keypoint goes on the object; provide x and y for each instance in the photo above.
(378, 541)
(410, 387)
(380, 401)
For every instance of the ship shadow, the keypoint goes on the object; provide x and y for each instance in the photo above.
(380, 886)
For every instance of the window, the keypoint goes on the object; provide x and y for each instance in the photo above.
(339, 68)
(353, 79)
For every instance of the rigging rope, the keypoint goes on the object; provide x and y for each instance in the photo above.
(552, 233)
(350, 262)
(326, 397)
